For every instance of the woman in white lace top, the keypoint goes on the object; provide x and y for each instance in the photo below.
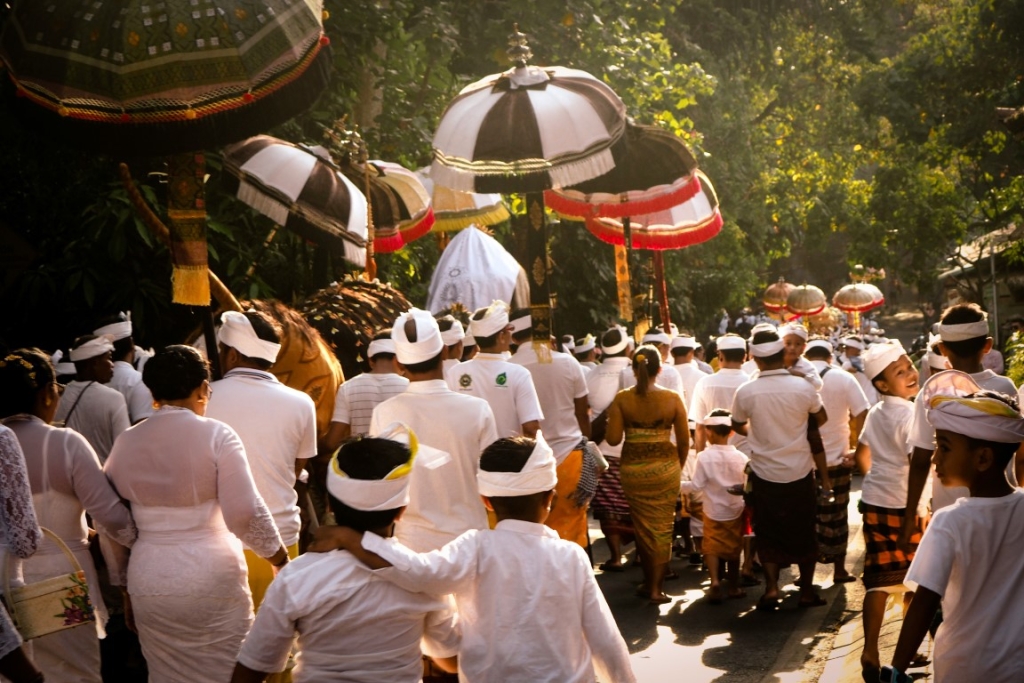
(19, 536)
(67, 481)
(195, 503)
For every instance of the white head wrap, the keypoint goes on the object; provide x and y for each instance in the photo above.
(762, 327)
(494, 321)
(454, 334)
(731, 342)
(468, 340)
(684, 341)
(92, 348)
(428, 337)
(765, 349)
(955, 333)
(878, 357)
(118, 330)
(853, 343)
(61, 368)
(586, 344)
(236, 331)
(936, 361)
(523, 322)
(568, 343)
(623, 341)
(819, 344)
(537, 475)
(374, 495)
(986, 419)
(716, 420)
(380, 346)
(793, 328)
(656, 336)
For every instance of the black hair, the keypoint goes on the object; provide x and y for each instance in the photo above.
(1003, 452)
(682, 351)
(491, 339)
(962, 314)
(733, 355)
(720, 430)
(175, 372)
(611, 338)
(23, 374)
(382, 355)
(646, 364)
(764, 337)
(510, 455)
(425, 366)
(367, 459)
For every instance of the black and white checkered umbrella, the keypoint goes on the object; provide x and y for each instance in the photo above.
(303, 191)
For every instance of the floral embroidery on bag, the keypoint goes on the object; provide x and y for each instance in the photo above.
(77, 606)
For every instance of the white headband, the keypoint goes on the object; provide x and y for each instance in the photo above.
(380, 346)
(879, 356)
(236, 331)
(798, 330)
(819, 344)
(454, 334)
(428, 338)
(118, 330)
(586, 344)
(936, 361)
(765, 349)
(731, 343)
(569, 342)
(986, 419)
(92, 348)
(621, 346)
(373, 495)
(537, 475)
(955, 333)
(853, 343)
(523, 322)
(61, 368)
(658, 337)
(684, 341)
(717, 421)
(494, 321)
(469, 340)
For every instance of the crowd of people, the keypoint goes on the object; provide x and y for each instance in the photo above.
(460, 471)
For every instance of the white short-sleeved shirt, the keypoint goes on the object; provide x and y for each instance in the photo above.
(777, 405)
(971, 556)
(689, 375)
(843, 398)
(277, 426)
(100, 416)
(886, 429)
(128, 381)
(357, 397)
(507, 388)
(558, 384)
(922, 434)
(717, 391)
(353, 626)
(603, 382)
(529, 606)
(718, 468)
(452, 431)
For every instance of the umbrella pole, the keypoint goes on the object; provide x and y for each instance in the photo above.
(266, 244)
(537, 268)
(662, 288)
(371, 264)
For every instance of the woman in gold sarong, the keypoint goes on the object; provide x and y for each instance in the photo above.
(645, 416)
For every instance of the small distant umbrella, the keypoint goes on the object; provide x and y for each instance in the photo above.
(806, 300)
(776, 295)
(857, 298)
(304, 192)
(455, 210)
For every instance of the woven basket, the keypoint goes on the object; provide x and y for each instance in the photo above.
(51, 605)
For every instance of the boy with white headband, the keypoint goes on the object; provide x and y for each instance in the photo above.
(529, 606)
(882, 455)
(453, 334)
(277, 426)
(89, 406)
(452, 430)
(586, 353)
(970, 557)
(359, 395)
(507, 387)
(350, 625)
(126, 378)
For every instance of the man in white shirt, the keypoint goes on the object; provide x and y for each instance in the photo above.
(277, 426)
(357, 397)
(562, 390)
(452, 431)
(683, 348)
(507, 387)
(453, 334)
(350, 625)
(586, 353)
(772, 411)
(88, 406)
(717, 390)
(852, 347)
(845, 404)
(126, 378)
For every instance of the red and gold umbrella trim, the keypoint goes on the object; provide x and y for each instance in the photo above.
(408, 231)
(665, 238)
(651, 201)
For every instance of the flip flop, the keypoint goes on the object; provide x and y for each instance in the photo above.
(767, 604)
(818, 601)
(919, 660)
(662, 600)
(849, 578)
(610, 567)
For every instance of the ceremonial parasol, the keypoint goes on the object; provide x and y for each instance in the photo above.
(455, 210)
(775, 296)
(401, 206)
(805, 301)
(526, 130)
(857, 298)
(297, 188)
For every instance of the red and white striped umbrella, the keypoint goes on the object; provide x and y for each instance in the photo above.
(301, 190)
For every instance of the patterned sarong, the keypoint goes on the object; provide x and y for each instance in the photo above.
(723, 539)
(833, 523)
(650, 479)
(566, 516)
(884, 563)
(784, 520)
(610, 506)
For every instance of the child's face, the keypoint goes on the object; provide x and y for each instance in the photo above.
(899, 378)
(953, 459)
(795, 345)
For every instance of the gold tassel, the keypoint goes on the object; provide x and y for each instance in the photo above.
(191, 285)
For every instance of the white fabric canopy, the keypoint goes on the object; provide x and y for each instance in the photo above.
(475, 270)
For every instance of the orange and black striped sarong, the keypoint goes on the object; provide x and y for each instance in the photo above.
(884, 563)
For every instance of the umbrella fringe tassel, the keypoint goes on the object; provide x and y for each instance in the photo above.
(452, 223)
(569, 206)
(191, 285)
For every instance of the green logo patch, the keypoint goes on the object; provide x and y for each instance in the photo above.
(501, 379)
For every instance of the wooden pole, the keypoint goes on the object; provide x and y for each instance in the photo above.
(537, 268)
(662, 288)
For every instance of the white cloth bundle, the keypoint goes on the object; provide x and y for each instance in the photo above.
(537, 475)
(236, 331)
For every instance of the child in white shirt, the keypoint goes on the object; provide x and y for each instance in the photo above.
(970, 558)
(529, 607)
(720, 474)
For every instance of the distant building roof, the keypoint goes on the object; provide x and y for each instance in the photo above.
(996, 242)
